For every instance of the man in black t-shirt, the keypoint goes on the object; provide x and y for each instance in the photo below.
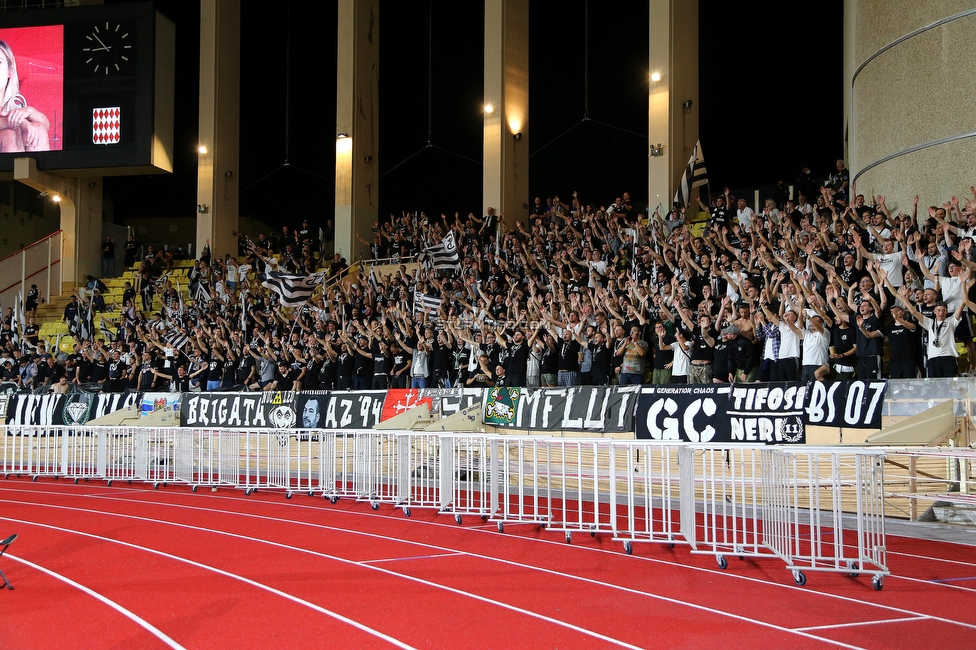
(901, 335)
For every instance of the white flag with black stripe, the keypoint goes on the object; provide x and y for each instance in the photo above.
(695, 176)
(443, 256)
(294, 290)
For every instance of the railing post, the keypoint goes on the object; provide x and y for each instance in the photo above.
(50, 244)
(23, 276)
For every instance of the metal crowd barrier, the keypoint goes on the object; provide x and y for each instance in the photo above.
(814, 509)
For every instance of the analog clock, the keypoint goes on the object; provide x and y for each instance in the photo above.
(108, 48)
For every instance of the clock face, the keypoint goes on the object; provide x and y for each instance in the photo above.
(108, 48)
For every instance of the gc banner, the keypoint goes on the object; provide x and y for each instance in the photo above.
(580, 408)
(775, 413)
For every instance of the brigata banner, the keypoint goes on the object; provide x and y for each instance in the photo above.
(69, 409)
(580, 408)
(239, 410)
(773, 413)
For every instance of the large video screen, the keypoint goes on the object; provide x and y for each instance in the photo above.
(79, 87)
(32, 101)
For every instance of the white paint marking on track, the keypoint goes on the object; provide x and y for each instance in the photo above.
(445, 587)
(861, 623)
(933, 559)
(135, 618)
(413, 557)
(227, 574)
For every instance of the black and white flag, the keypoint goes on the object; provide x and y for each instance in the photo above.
(294, 290)
(443, 256)
(695, 176)
(422, 302)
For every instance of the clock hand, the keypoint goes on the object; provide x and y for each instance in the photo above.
(104, 46)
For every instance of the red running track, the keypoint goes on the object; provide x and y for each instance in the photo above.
(129, 566)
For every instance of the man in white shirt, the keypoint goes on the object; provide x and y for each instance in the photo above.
(744, 215)
(941, 344)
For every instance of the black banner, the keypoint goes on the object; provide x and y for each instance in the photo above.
(341, 410)
(775, 413)
(847, 404)
(70, 409)
(580, 408)
(239, 410)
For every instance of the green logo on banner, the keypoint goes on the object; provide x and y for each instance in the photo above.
(501, 404)
(77, 409)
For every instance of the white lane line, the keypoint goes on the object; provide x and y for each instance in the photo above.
(860, 623)
(933, 559)
(951, 585)
(412, 557)
(135, 618)
(628, 590)
(227, 574)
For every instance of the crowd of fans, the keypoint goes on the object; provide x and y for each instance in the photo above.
(805, 288)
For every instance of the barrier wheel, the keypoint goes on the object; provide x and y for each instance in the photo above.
(501, 527)
(406, 512)
(6, 477)
(592, 531)
(628, 548)
(333, 500)
(569, 538)
(483, 518)
(853, 567)
(155, 486)
(374, 505)
(311, 493)
(288, 494)
(799, 578)
(671, 545)
(109, 483)
(247, 491)
(722, 562)
(193, 489)
(34, 479)
(457, 519)
(76, 481)
(877, 582)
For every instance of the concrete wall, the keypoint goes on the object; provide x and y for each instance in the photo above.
(909, 125)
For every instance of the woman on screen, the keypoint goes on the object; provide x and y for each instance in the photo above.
(22, 128)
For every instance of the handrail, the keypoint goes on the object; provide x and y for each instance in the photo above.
(31, 245)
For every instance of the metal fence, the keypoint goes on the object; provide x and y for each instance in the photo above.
(814, 509)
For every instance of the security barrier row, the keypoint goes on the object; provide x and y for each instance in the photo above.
(816, 509)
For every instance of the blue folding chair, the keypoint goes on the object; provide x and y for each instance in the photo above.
(5, 543)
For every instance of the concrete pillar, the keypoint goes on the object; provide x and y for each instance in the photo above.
(357, 126)
(505, 176)
(81, 219)
(218, 160)
(672, 119)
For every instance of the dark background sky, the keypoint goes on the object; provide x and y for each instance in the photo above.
(771, 98)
